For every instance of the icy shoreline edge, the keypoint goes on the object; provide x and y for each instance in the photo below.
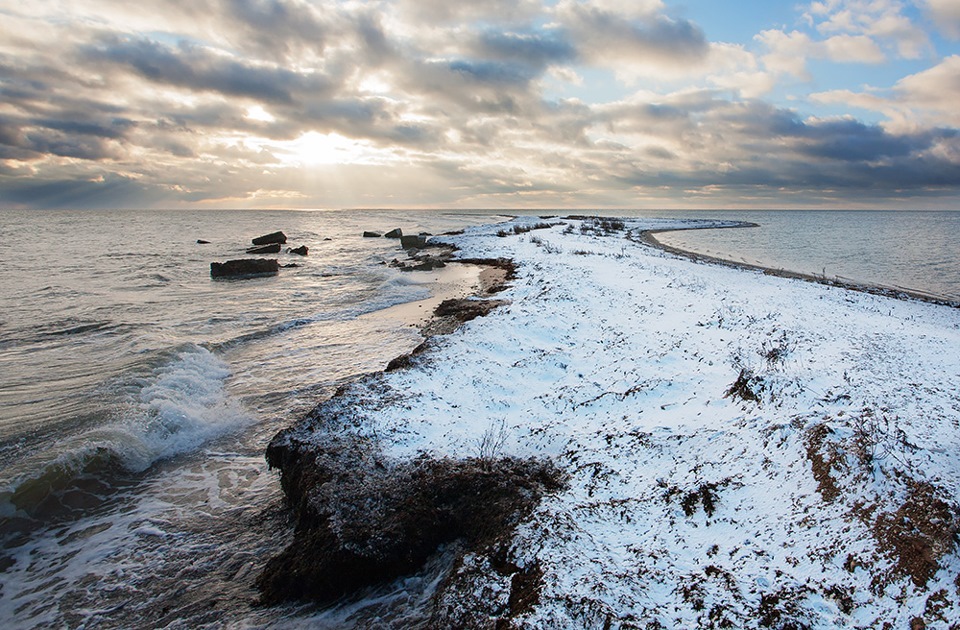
(708, 420)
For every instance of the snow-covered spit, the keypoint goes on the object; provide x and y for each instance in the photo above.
(737, 449)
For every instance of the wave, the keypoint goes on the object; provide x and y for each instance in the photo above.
(78, 329)
(393, 291)
(178, 407)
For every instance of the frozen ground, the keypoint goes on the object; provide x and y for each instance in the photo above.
(742, 450)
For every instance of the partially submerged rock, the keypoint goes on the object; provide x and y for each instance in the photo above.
(200, 241)
(425, 263)
(395, 233)
(300, 251)
(245, 267)
(415, 241)
(369, 234)
(273, 237)
(273, 248)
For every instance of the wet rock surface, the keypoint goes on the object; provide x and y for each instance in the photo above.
(245, 267)
(273, 248)
(273, 237)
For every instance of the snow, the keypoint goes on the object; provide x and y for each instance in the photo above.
(687, 507)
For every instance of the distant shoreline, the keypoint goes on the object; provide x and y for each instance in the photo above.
(649, 237)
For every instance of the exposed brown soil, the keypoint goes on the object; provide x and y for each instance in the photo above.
(920, 532)
(822, 463)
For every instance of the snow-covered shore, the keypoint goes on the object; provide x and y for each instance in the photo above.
(741, 450)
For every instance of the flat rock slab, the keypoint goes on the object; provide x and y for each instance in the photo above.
(244, 268)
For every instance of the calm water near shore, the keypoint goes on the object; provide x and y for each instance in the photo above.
(137, 394)
(910, 250)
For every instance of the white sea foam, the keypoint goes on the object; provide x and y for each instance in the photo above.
(183, 407)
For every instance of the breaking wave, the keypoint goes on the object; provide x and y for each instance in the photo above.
(175, 409)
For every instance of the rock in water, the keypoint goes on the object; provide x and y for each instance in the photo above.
(395, 233)
(273, 237)
(200, 241)
(413, 242)
(244, 268)
(302, 250)
(368, 234)
(273, 248)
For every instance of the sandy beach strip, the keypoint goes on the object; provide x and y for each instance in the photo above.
(740, 449)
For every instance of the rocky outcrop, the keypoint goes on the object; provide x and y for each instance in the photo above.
(363, 519)
(273, 248)
(369, 234)
(300, 251)
(273, 237)
(245, 267)
(395, 233)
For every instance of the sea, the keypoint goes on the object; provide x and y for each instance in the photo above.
(137, 394)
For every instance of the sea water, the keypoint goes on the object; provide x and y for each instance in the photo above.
(914, 250)
(137, 394)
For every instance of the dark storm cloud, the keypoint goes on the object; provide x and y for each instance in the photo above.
(25, 139)
(114, 191)
(195, 68)
(115, 128)
(852, 141)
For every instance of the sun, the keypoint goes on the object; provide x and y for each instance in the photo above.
(314, 148)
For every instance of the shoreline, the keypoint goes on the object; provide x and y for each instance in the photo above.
(649, 237)
(675, 401)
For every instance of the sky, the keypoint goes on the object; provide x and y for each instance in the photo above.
(494, 104)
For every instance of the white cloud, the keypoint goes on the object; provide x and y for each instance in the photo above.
(935, 90)
(851, 48)
(925, 99)
(885, 21)
(787, 52)
(946, 16)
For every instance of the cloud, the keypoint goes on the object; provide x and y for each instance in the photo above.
(199, 69)
(926, 98)
(946, 16)
(881, 20)
(289, 102)
(640, 41)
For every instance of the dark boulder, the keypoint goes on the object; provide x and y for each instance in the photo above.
(395, 233)
(273, 237)
(245, 267)
(413, 242)
(301, 251)
(200, 241)
(368, 234)
(265, 249)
